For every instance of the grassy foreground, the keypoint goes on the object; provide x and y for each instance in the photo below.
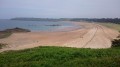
(61, 57)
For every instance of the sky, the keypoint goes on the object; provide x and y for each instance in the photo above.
(60, 8)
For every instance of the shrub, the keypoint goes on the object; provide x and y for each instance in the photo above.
(116, 43)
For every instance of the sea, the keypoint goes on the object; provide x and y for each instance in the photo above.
(36, 25)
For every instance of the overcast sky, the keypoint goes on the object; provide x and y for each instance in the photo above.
(60, 8)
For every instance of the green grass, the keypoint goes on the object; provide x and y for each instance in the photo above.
(112, 25)
(61, 57)
(5, 34)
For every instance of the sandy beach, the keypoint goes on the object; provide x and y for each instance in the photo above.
(92, 35)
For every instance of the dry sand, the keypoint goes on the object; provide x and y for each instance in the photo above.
(92, 35)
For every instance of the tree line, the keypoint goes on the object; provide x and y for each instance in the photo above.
(108, 20)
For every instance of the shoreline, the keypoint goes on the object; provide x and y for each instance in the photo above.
(34, 25)
(63, 28)
(90, 36)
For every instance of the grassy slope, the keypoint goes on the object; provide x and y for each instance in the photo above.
(61, 57)
(112, 25)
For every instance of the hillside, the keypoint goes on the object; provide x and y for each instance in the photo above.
(61, 57)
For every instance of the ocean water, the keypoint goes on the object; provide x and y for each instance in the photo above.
(35, 25)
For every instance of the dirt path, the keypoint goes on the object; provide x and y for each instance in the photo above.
(91, 36)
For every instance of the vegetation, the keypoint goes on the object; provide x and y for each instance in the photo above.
(102, 20)
(2, 45)
(112, 25)
(108, 20)
(8, 32)
(66, 57)
(4, 34)
(14, 30)
(61, 57)
(35, 19)
(116, 43)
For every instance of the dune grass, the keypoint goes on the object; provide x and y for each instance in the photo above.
(5, 34)
(112, 25)
(2, 45)
(61, 57)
